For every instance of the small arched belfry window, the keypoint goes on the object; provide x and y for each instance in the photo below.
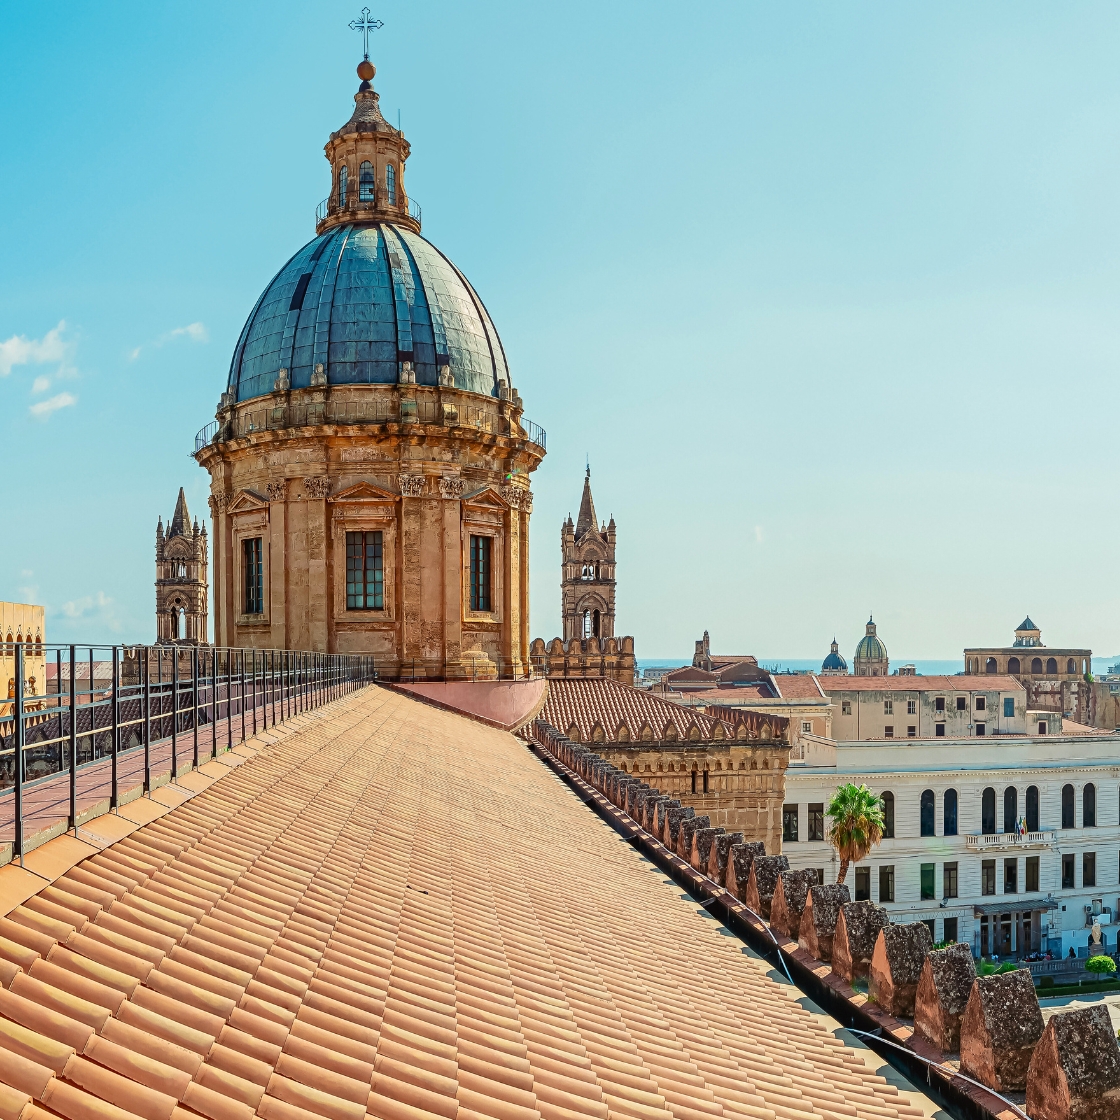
(391, 183)
(343, 177)
(365, 182)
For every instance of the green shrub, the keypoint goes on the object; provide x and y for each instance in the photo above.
(1101, 964)
(1046, 982)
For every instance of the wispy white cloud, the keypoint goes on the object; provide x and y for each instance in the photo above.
(30, 590)
(758, 534)
(41, 384)
(193, 332)
(19, 350)
(45, 409)
(88, 604)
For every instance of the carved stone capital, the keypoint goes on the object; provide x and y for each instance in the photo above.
(316, 487)
(219, 503)
(412, 485)
(451, 486)
(526, 501)
(277, 491)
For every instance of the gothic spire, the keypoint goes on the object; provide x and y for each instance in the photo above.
(587, 521)
(181, 521)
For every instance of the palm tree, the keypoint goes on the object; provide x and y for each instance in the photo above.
(856, 824)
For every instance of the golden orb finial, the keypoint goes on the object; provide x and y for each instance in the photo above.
(366, 70)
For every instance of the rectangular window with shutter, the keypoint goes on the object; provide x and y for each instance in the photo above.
(252, 563)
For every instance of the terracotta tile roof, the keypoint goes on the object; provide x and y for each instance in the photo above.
(393, 912)
(962, 683)
(798, 686)
(585, 701)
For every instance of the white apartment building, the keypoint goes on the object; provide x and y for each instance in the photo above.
(1011, 844)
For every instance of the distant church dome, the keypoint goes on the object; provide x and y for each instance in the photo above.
(871, 655)
(834, 662)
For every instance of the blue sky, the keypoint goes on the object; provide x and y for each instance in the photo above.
(827, 292)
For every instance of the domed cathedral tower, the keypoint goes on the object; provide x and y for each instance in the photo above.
(871, 658)
(587, 584)
(369, 460)
(181, 587)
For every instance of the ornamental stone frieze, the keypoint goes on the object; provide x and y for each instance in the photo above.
(412, 485)
(316, 487)
(277, 491)
(451, 486)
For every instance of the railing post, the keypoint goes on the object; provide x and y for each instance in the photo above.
(174, 712)
(17, 711)
(254, 690)
(73, 737)
(229, 699)
(194, 694)
(147, 677)
(214, 702)
(241, 674)
(115, 742)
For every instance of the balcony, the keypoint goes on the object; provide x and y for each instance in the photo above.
(1004, 841)
(367, 204)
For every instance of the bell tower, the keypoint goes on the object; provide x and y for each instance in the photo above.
(181, 586)
(587, 584)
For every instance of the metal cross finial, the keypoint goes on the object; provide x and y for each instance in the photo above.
(365, 25)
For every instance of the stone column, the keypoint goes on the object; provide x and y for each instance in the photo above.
(278, 563)
(318, 589)
(451, 511)
(408, 565)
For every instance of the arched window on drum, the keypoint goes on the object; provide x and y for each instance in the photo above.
(365, 182)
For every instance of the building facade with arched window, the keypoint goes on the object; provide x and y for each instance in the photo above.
(1055, 679)
(182, 585)
(22, 624)
(589, 647)
(1012, 846)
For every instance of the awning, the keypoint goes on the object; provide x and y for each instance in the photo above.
(1017, 906)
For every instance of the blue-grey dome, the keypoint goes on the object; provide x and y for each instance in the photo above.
(834, 662)
(361, 299)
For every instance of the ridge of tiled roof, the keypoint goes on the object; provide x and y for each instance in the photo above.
(392, 912)
(798, 686)
(586, 701)
(976, 682)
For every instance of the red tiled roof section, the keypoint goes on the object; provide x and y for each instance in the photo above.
(586, 701)
(972, 683)
(400, 913)
(798, 686)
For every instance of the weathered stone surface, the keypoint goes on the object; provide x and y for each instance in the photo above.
(738, 868)
(702, 841)
(818, 919)
(653, 810)
(689, 825)
(662, 822)
(943, 991)
(853, 943)
(673, 825)
(717, 857)
(896, 966)
(788, 903)
(1002, 1023)
(763, 881)
(1074, 1073)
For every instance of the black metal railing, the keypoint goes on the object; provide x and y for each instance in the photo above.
(381, 409)
(362, 200)
(95, 724)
